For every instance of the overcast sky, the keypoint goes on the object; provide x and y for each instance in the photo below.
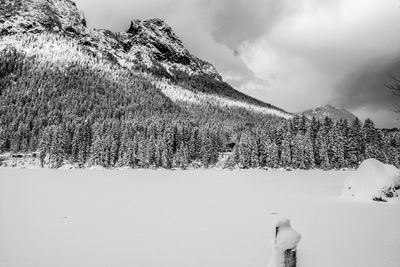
(293, 54)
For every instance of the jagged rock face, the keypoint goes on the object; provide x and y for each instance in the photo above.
(149, 43)
(154, 41)
(34, 16)
(157, 38)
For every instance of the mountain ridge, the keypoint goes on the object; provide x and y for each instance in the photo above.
(149, 46)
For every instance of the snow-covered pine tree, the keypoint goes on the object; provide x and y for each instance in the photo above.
(286, 157)
(206, 150)
(272, 160)
(149, 153)
(245, 150)
(352, 149)
(264, 150)
(370, 132)
(97, 146)
(141, 150)
(357, 132)
(298, 151)
(309, 161)
(338, 148)
(381, 147)
(322, 159)
(57, 152)
(181, 157)
(3, 140)
(194, 144)
(115, 135)
(254, 152)
(123, 154)
(75, 145)
(44, 145)
(314, 128)
(158, 151)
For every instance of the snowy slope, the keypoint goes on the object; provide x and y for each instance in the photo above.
(179, 94)
(188, 218)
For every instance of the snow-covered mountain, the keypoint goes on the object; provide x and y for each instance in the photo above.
(149, 48)
(147, 44)
(35, 16)
(335, 113)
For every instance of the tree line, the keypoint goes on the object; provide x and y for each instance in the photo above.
(306, 144)
(298, 143)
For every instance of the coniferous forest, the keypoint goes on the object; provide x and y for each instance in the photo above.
(83, 110)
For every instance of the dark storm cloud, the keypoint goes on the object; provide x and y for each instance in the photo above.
(365, 92)
(293, 54)
(367, 86)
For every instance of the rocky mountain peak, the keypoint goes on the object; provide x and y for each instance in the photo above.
(154, 40)
(150, 43)
(35, 16)
(156, 26)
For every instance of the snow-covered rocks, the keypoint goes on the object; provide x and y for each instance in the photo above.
(150, 43)
(34, 16)
(153, 41)
(373, 180)
(285, 244)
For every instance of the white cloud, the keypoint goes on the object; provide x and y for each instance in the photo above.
(314, 48)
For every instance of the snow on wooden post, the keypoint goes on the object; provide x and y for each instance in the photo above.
(285, 245)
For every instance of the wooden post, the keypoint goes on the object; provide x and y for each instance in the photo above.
(290, 258)
(284, 252)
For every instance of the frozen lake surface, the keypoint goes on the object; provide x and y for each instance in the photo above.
(188, 218)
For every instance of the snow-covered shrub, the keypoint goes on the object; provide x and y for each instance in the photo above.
(373, 180)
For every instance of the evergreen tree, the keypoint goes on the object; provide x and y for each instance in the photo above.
(181, 158)
(254, 152)
(245, 150)
(298, 151)
(322, 159)
(272, 160)
(56, 153)
(370, 132)
(264, 151)
(309, 161)
(286, 157)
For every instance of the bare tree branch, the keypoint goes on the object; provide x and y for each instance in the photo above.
(395, 88)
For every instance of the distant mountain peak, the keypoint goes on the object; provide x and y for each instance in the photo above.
(336, 113)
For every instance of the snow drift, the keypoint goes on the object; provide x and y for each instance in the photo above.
(373, 180)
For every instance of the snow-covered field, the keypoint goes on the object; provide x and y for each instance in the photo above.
(188, 218)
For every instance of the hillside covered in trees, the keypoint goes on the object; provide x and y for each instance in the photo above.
(96, 98)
